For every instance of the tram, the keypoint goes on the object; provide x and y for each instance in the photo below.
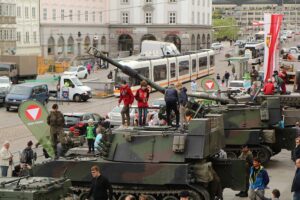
(165, 71)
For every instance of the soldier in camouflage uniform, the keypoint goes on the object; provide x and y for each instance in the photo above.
(56, 122)
(246, 155)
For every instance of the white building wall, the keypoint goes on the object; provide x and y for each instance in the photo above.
(66, 23)
(28, 31)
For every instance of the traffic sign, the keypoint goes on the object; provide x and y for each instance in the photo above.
(33, 112)
(209, 84)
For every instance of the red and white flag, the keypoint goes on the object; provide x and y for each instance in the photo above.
(257, 23)
(272, 24)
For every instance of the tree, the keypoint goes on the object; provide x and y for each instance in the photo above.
(217, 14)
(225, 28)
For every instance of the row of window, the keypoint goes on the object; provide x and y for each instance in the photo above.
(148, 17)
(199, 19)
(70, 15)
(26, 12)
(27, 37)
(7, 34)
(160, 71)
(204, 2)
(7, 10)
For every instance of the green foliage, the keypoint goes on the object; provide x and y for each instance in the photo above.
(225, 28)
(217, 14)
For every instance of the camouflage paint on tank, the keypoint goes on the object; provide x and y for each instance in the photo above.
(120, 173)
(241, 137)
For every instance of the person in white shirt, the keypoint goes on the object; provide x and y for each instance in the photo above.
(5, 158)
(194, 86)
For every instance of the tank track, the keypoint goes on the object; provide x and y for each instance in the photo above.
(153, 193)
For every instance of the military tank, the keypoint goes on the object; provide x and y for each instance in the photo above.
(157, 161)
(34, 188)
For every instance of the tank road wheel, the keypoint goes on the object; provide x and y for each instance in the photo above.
(170, 198)
(77, 98)
(83, 196)
(123, 196)
(150, 197)
(201, 195)
(264, 155)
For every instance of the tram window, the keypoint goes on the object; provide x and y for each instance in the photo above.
(184, 67)
(141, 71)
(194, 65)
(160, 72)
(212, 60)
(203, 63)
(173, 70)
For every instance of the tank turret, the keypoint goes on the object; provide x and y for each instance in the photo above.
(34, 188)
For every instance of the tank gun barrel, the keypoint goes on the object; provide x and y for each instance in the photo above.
(207, 96)
(125, 69)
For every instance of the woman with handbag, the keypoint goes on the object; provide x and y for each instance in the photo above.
(6, 158)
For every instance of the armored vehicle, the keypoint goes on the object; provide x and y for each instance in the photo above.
(258, 126)
(157, 161)
(34, 188)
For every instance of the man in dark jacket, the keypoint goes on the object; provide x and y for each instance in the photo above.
(56, 122)
(246, 155)
(183, 100)
(296, 182)
(226, 78)
(172, 101)
(27, 155)
(253, 74)
(127, 97)
(259, 179)
(296, 151)
(101, 189)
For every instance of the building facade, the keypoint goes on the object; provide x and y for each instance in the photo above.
(246, 12)
(28, 27)
(7, 27)
(69, 27)
(186, 23)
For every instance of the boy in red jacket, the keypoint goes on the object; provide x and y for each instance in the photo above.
(142, 96)
(127, 97)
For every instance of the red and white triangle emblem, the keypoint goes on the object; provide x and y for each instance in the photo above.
(33, 112)
(210, 84)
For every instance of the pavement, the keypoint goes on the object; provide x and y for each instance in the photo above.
(280, 168)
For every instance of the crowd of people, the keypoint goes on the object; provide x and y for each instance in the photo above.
(176, 100)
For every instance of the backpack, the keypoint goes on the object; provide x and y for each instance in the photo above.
(24, 156)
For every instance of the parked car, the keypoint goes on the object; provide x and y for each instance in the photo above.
(115, 118)
(217, 46)
(5, 85)
(240, 85)
(79, 71)
(24, 92)
(78, 121)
